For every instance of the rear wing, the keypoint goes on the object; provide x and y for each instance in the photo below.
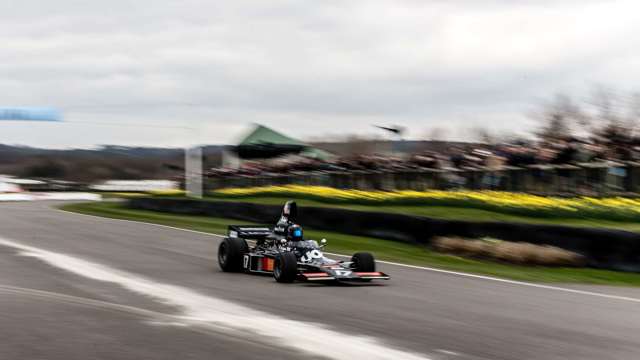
(253, 232)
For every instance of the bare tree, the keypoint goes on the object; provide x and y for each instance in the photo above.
(611, 119)
(483, 135)
(633, 113)
(560, 118)
(605, 107)
(436, 134)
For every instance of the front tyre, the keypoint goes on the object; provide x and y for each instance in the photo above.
(285, 269)
(363, 262)
(230, 254)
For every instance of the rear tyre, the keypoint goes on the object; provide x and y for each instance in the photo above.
(285, 269)
(230, 254)
(363, 262)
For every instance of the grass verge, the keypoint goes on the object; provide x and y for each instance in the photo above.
(382, 249)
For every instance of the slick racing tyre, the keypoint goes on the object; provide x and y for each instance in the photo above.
(230, 254)
(286, 268)
(363, 262)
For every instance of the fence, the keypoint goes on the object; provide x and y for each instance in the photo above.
(583, 179)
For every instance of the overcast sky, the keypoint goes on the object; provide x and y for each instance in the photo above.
(171, 73)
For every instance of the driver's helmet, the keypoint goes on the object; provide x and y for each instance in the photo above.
(294, 233)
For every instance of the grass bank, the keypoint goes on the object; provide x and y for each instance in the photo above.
(383, 249)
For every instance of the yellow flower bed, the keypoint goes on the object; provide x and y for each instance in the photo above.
(615, 207)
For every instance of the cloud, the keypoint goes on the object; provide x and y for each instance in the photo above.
(307, 67)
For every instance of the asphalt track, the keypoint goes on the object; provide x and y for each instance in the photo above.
(80, 287)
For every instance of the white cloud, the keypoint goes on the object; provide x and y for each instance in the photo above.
(303, 66)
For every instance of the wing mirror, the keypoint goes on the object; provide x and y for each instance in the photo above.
(323, 243)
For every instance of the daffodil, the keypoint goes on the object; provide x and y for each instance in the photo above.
(617, 208)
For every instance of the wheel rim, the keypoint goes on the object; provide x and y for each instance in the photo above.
(276, 270)
(222, 254)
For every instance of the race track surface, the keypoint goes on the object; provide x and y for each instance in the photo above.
(80, 287)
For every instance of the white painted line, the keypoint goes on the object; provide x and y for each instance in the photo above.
(159, 319)
(141, 222)
(515, 282)
(70, 299)
(425, 268)
(226, 316)
(447, 352)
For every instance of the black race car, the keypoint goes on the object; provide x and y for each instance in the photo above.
(283, 252)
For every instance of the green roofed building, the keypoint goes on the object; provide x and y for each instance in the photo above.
(266, 143)
(262, 134)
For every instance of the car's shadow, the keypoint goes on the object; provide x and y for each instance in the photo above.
(339, 284)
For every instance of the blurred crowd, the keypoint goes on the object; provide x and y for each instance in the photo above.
(571, 151)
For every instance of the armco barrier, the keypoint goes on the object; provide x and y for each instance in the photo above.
(611, 249)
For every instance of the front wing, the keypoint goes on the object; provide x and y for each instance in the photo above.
(342, 275)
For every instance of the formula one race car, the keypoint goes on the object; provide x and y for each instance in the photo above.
(283, 252)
